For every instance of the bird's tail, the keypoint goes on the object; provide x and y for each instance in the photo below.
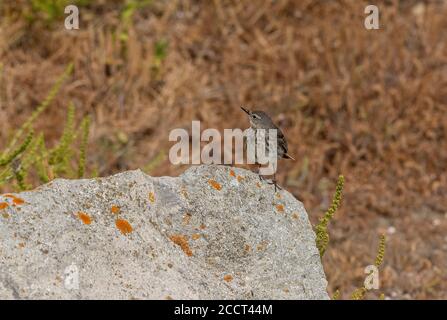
(288, 156)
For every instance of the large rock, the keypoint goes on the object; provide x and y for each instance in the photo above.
(215, 232)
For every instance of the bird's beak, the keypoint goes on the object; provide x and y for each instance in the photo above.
(245, 110)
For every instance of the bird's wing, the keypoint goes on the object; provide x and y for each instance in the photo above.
(282, 142)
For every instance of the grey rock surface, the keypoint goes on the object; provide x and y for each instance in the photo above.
(214, 232)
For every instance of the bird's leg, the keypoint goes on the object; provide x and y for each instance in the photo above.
(274, 182)
(257, 171)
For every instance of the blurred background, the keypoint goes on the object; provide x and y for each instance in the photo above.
(368, 104)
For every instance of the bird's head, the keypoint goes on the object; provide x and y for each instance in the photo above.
(258, 119)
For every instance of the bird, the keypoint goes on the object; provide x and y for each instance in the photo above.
(261, 120)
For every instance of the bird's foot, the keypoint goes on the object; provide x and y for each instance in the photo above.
(276, 185)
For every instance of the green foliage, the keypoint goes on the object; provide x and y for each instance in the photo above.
(155, 162)
(41, 163)
(12, 164)
(336, 295)
(359, 294)
(7, 159)
(20, 167)
(127, 14)
(130, 8)
(31, 156)
(61, 154)
(85, 127)
(380, 251)
(19, 174)
(42, 107)
(322, 239)
(160, 53)
(49, 11)
(48, 164)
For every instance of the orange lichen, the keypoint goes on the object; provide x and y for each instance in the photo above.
(18, 201)
(84, 217)
(115, 209)
(195, 236)
(280, 207)
(202, 226)
(232, 173)
(258, 184)
(15, 200)
(240, 178)
(182, 241)
(186, 218)
(261, 246)
(123, 226)
(151, 197)
(184, 193)
(215, 184)
(3, 205)
(228, 278)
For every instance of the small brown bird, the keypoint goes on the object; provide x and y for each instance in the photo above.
(260, 120)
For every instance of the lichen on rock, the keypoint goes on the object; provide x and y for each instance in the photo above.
(202, 235)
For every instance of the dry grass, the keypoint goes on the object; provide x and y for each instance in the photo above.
(370, 105)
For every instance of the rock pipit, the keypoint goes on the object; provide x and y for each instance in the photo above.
(260, 120)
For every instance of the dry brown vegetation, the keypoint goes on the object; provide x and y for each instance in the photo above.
(370, 105)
